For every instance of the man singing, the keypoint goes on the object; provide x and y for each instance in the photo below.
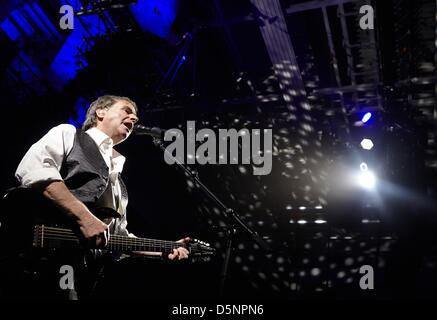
(80, 169)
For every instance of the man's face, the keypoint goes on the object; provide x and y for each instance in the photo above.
(117, 121)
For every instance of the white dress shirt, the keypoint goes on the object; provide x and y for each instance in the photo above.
(43, 161)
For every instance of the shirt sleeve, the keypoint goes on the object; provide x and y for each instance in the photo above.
(121, 227)
(43, 160)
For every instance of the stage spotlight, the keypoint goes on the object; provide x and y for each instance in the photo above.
(366, 179)
(366, 144)
(366, 117)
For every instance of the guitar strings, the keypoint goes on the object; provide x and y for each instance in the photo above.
(124, 241)
(112, 236)
(54, 233)
(119, 237)
(110, 244)
(113, 242)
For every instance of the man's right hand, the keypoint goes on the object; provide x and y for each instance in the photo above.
(94, 231)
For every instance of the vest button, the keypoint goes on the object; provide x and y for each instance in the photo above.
(100, 188)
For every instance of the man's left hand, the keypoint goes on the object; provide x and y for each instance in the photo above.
(181, 252)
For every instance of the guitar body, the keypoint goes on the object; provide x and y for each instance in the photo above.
(23, 209)
(33, 272)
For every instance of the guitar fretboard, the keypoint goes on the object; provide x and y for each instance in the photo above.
(52, 237)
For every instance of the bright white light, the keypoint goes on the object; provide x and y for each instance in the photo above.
(367, 180)
(320, 221)
(301, 221)
(366, 117)
(366, 144)
(363, 167)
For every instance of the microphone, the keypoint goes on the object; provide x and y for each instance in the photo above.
(141, 130)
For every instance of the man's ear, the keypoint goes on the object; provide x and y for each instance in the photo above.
(101, 113)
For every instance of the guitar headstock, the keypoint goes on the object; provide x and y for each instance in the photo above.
(200, 250)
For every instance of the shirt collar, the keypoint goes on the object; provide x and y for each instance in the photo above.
(99, 137)
(103, 140)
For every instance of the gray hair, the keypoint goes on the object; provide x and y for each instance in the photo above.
(102, 102)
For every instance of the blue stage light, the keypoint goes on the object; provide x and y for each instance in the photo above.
(8, 27)
(155, 16)
(366, 117)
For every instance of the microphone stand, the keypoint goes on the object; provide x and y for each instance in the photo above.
(231, 231)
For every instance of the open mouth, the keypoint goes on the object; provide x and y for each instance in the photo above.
(128, 125)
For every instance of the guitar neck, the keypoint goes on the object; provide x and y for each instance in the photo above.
(49, 237)
(123, 243)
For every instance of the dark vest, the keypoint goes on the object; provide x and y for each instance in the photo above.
(85, 172)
